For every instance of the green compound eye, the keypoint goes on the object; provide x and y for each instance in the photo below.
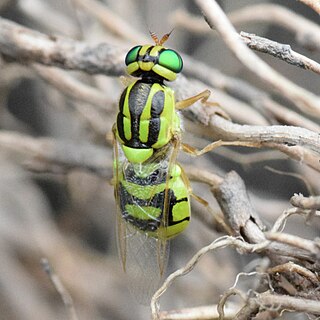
(171, 60)
(132, 55)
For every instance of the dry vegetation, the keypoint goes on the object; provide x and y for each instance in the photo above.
(59, 85)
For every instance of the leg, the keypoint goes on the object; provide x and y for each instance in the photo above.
(203, 96)
(126, 80)
(218, 220)
(196, 152)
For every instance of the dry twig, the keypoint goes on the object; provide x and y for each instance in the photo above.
(304, 100)
(27, 45)
(284, 302)
(59, 156)
(217, 244)
(296, 259)
(118, 26)
(271, 136)
(74, 88)
(231, 195)
(199, 313)
(64, 294)
(279, 50)
(306, 32)
(312, 202)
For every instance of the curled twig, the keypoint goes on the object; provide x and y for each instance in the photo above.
(282, 219)
(225, 297)
(217, 244)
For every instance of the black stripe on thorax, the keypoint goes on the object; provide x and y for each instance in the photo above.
(120, 116)
(137, 100)
(157, 105)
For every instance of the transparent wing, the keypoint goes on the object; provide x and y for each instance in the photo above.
(142, 203)
(144, 274)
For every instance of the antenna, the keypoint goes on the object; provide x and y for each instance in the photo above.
(162, 40)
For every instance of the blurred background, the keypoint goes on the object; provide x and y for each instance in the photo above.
(67, 214)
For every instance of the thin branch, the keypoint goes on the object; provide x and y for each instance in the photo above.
(298, 153)
(50, 154)
(117, 25)
(304, 100)
(185, 87)
(64, 294)
(284, 138)
(231, 196)
(290, 117)
(199, 313)
(244, 91)
(27, 45)
(270, 301)
(312, 202)
(65, 53)
(307, 33)
(279, 50)
(74, 88)
(197, 174)
(282, 51)
(285, 302)
(295, 241)
(217, 244)
(282, 219)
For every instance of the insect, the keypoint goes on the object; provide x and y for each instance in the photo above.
(153, 201)
(151, 189)
(147, 118)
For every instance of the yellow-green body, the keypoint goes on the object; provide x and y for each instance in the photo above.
(147, 119)
(143, 201)
(151, 189)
